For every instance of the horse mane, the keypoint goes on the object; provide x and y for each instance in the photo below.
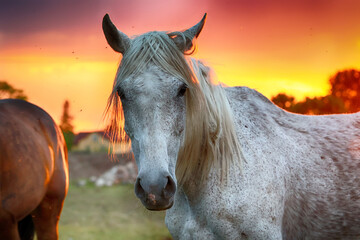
(210, 140)
(210, 137)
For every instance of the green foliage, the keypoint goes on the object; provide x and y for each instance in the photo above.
(66, 125)
(8, 91)
(344, 97)
(108, 213)
(69, 139)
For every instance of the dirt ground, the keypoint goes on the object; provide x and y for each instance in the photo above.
(86, 165)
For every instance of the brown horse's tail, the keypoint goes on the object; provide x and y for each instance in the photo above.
(26, 228)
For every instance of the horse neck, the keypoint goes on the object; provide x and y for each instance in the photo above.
(252, 112)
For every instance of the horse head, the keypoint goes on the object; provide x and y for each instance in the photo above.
(152, 85)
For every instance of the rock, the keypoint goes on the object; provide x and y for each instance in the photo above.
(81, 182)
(118, 174)
(93, 179)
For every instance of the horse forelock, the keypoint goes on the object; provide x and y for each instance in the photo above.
(210, 138)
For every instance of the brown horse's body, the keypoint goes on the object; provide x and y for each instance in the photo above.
(33, 170)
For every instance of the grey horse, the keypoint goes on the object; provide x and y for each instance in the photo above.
(226, 163)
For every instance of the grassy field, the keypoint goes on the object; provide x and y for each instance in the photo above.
(108, 213)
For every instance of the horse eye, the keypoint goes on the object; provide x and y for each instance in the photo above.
(120, 93)
(182, 90)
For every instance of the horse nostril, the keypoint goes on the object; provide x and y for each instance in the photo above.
(139, 191)
(170, 188)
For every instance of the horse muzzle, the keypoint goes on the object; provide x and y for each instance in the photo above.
(156, 195)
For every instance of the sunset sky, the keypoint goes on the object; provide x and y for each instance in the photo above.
(55, 50)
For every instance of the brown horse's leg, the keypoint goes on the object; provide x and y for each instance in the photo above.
(8, 227)
(46, 218)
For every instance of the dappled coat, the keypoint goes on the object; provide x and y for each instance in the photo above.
(227, 163)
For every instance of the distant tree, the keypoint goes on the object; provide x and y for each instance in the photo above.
(315, 106)
(344, 97)
(319, 105)
(284, 101)
(66, 125)
(66, 118)
(8, 91)
(346, 86)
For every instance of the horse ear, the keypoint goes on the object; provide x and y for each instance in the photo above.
(185, 42)
(117, 40)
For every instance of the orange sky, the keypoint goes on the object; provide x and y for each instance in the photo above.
(55, 50)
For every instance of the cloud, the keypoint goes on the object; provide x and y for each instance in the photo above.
(29, 16)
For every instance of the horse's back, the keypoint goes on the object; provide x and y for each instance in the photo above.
(319, 157)
(31, 150)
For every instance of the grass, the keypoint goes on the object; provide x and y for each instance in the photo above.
(108, 213)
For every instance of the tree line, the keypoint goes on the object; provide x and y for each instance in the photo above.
(9, 91)
(343, 97)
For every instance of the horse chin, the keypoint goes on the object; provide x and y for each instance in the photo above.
(160, 205)
(159, 208)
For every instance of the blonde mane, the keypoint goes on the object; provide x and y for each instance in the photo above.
(210, 139)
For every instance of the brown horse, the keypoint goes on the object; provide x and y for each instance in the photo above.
(33, 172)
